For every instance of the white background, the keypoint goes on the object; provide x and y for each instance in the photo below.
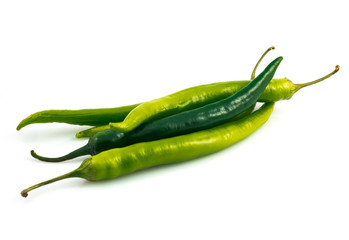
(289, 180)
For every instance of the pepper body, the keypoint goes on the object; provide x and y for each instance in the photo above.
(107, 140)
(207, 116)
(192, 98)
(184, 100)
(110, 138)
(90, 117)
(121, 161)
(196, 97)
(187, 99)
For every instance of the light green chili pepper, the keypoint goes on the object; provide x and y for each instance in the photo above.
(120, 161)
(195, 97)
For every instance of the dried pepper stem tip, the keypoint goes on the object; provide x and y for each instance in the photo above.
(302, 85)
(74, 173)
(253, 75)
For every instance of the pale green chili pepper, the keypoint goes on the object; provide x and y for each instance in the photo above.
(120, 161)
(195, 97)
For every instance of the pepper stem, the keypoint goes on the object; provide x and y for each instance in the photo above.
(76, 153)
(71, 174)
(253, 75)
(302, 85)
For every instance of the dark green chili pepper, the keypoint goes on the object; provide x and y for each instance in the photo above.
(182, 123)
(191, 98)
(106, 140)
(209, 115)
(121, 161)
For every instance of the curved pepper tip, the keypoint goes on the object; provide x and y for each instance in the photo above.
(24, 194)
(19, 127)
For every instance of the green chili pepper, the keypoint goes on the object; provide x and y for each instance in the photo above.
(91, 117)
(106, 140)
(206, 116)
(121, 161)
(182, 123)
(191, 98)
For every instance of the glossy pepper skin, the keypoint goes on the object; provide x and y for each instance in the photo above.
(107, 140)
(195, 97)
(176, 149)
(209, 115)
(191, 98)
(131, 116)
(110, 138)
(120, 161)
